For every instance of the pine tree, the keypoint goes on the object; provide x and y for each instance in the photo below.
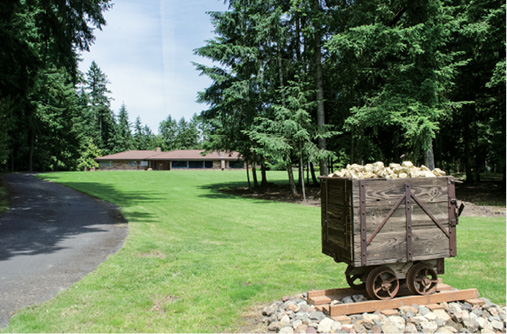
(103, 118)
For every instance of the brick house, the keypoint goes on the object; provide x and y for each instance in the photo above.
(178, 159)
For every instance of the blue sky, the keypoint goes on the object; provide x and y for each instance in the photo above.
(146, 51)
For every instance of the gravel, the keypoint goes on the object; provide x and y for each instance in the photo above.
(295, 315)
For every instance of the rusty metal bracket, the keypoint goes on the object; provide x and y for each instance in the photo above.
(362, 221)
(453, 216)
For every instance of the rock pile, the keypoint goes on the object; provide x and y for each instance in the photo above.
(294, 315)
(393, 171)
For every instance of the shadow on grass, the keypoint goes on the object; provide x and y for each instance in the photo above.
(227, 190)
(46, 217)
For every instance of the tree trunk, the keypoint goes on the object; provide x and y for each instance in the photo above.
(430, 158)
(254, 172)
(314, 177)
(248, 176)
(321, 121)
(466, 139)
(264, 180)
(302, 176)
(291, 180)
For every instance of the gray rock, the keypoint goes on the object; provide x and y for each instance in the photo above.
(442, 315)
(467, 306)
(398, 322)
(493, 311)
(285, 321)
(325, 325)
(447, 330)
(455, 308)
(501, 314)
(497, 325)
(286, 330)
(429, 327)
(296, 323)
(274, 326)
(270, 310)
(311, 330)
(302, 316)
(347, 300)
(410, 329)
(301, 328)
(495, 318)
(359, 298)
(430, 316)
(317, 315)
(375, 330)
(358, 327)
(336, 326)
(390, 328)
(423, 310)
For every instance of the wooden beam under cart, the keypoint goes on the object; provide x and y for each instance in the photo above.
(378, 305)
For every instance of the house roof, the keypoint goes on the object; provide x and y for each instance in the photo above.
(172, 155)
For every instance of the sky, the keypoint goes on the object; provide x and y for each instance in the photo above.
(146, 52)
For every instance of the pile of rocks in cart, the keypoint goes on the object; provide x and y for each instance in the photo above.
(294, 315)
(393, 171)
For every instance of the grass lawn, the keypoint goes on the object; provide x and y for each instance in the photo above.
(197, 260)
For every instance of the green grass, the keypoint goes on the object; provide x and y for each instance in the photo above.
(197, 260)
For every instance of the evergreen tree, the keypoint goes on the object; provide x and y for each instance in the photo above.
(125, 132)
(102, 115)
(168, 129)
(400, 71)
(89, 153)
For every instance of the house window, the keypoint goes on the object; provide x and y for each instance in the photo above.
(195, 164)
(107, 163)
(208, 164)
(237, 164)
(179, 164)
(144, 163)
(132, 163)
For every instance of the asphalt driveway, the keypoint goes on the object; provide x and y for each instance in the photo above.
(50, 238)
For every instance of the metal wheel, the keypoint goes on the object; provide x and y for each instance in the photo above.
(355, 281)
(382, 283)
(422, 279)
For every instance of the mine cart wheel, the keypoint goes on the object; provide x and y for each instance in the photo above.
(355, 281)
(382, 283)
(422, 279)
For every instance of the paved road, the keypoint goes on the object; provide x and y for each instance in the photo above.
(50, 238)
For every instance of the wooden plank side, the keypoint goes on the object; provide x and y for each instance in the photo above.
(381, 192)
(389, 245)
(336, 211)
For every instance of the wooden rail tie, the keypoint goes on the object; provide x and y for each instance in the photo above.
(445, 293)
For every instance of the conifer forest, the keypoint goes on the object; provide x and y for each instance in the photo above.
(296, 84)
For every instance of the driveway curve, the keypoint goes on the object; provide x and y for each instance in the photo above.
(50, 238)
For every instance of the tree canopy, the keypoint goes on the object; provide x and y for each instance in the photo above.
(390, 81)
(294, 83)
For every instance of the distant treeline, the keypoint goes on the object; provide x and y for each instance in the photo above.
(294, 83)
(52, 116)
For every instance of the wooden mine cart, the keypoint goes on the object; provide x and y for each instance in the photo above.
(390, 232)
